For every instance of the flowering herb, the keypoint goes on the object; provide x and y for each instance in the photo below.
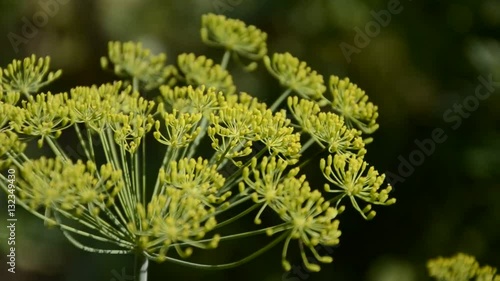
(257, 152)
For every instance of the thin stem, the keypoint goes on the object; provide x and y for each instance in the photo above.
(196, 142)
(57, 149)
(308, 144)
(128, 198)
(135, 84)
(109, 238)
(82, 247)
(232, 205)
(232, 264)
(141, 264)
(166, 159)
(236, 176)
(238, 216)
(225, 59)
(91, 144)
(275, 229)
(310, 158)
(143, 158)
(82, 142)
(281, 98)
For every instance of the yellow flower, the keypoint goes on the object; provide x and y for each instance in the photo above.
(182, 129)
(311, 221)
(44, 115)
(460, 267)
(196, 178)
(326, 127)
(174, 217)
(296, 75)
(264, 179)
(201, 70)
(233, 35)
(61, 185)
(10, 148)
(347, 172)
(131, 59)
(27, 76)
(352, 103)
(191, 100)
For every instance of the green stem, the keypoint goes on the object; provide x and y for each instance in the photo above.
(141, 264)
(308, 144)
(304, 163)
(275, 229)
(82, 247)
(238, 216)
(232, 264)
(82, 142)
(135, 84)
(196, 142)
(225, 59)
(281, 98)
(58, 151)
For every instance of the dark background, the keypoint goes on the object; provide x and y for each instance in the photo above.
(423, 63)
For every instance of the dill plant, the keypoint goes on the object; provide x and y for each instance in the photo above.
(257, 151)
(460, 267)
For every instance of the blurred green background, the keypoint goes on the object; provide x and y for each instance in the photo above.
(421, 63)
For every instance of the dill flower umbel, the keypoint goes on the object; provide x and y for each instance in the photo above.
(352, 103)
(295, 75)
(28, 76)
(203, 71)
(216, 155)
(235, 36)
(460, 267)
(130, 59)
(347, 172)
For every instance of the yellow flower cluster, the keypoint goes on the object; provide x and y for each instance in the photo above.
(73, 187)
(182, 129)
(10, 148)
(27, 76)
(326, 127)
(172, 219)
(188, 99)
(130, 59)
(308, 217)
(91, 105)
(203, 71)
(238, 125)
(196, 178)
(233, 35)
(460, 267)
(210, 139)
(132, 122)
(347, 172)
(296, 75)
(7, 110)
(352, 103)
(311, 219)
(44, 116)
(264, 179)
